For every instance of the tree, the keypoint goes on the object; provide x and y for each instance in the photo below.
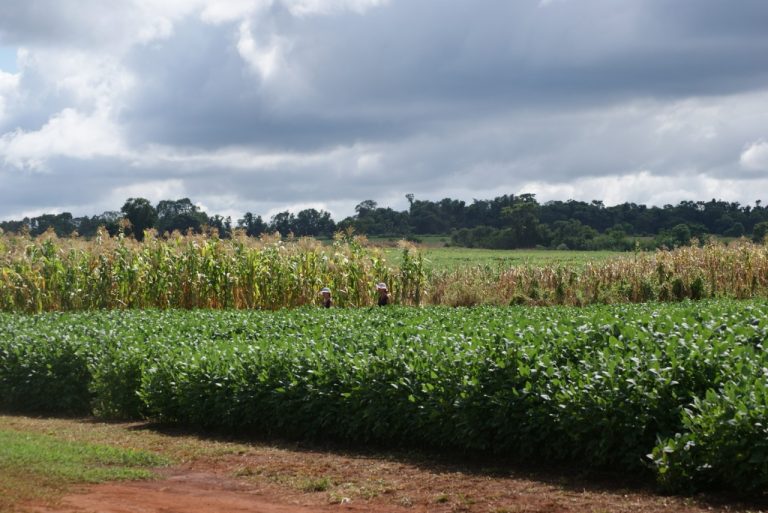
(283, 222)
(365, 207)
(141, 214)
(63, 224)
(180, 215)
(572, 234)
(679, 235)
(760, 231)
(88, 226)
(253, 225)
(425, 217)
(222, 224)
(310, 222)
(736, 230)
(522, 221)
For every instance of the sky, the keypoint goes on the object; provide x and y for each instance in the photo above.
(269, 105)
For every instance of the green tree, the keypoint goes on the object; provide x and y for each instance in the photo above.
(141, 214)
(253, 225)
(283, 222)
(572, 234)
(63, 224)
(522, 222)
(180, 215)
(736, 230)
(311, 222)
(760, 231)
(222, 224)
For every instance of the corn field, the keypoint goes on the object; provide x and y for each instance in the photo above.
(203, 271)
(195, 271)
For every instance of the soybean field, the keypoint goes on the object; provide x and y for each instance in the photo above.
(674, 390)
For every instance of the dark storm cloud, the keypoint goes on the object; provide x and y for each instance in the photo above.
(401, 67)
(195, 91)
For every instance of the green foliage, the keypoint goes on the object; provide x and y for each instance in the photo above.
(205, 271)
(724, 441)
(507, 221)
(760, 231)
(49, 274)
(44, 373)
(140, 214)
(604, 386)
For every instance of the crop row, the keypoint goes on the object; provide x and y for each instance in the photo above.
(196, 271)
(676, 389)
(50, 274)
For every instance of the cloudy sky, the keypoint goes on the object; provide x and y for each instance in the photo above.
(264, 105)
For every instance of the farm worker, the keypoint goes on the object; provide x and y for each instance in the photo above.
(381, 288)
(326, 293)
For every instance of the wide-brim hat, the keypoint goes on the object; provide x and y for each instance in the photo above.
(324, 290)
(381, 286)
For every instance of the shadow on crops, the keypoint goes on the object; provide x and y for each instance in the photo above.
(572, 477)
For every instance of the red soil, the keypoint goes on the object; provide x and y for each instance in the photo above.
(293, 481)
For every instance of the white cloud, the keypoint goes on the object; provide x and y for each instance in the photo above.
(646, 188)
(153, 190)
(295, 208)
(9, 85)
(692, 118)
(155, 19)
(311, 7)
(369, 162)
(265, 58)
(67, 134)
(88, 77)
(755, 157)
(222, 11)
(227, 11)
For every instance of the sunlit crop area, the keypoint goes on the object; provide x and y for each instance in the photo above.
(199, 271)
(228, 334)
(679, 390)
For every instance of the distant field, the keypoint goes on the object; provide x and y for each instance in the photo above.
(464, 257)
(49, 274)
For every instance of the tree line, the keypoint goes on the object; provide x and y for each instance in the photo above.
(505, 222)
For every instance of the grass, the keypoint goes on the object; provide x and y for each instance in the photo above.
(447, 258)
(40, 459)
(38, 465)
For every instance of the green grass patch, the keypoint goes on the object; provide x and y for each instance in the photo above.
(35, 465)
(451, 258)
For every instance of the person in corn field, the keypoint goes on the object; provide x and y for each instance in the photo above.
(326, 293)
(381, 288)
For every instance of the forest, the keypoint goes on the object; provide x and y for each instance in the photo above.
(504, 222)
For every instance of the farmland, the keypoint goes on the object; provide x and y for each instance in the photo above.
(198, 271)
(647, 363)
(447, 258)
(673, 390)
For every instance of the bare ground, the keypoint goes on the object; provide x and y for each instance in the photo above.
(226, 476)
